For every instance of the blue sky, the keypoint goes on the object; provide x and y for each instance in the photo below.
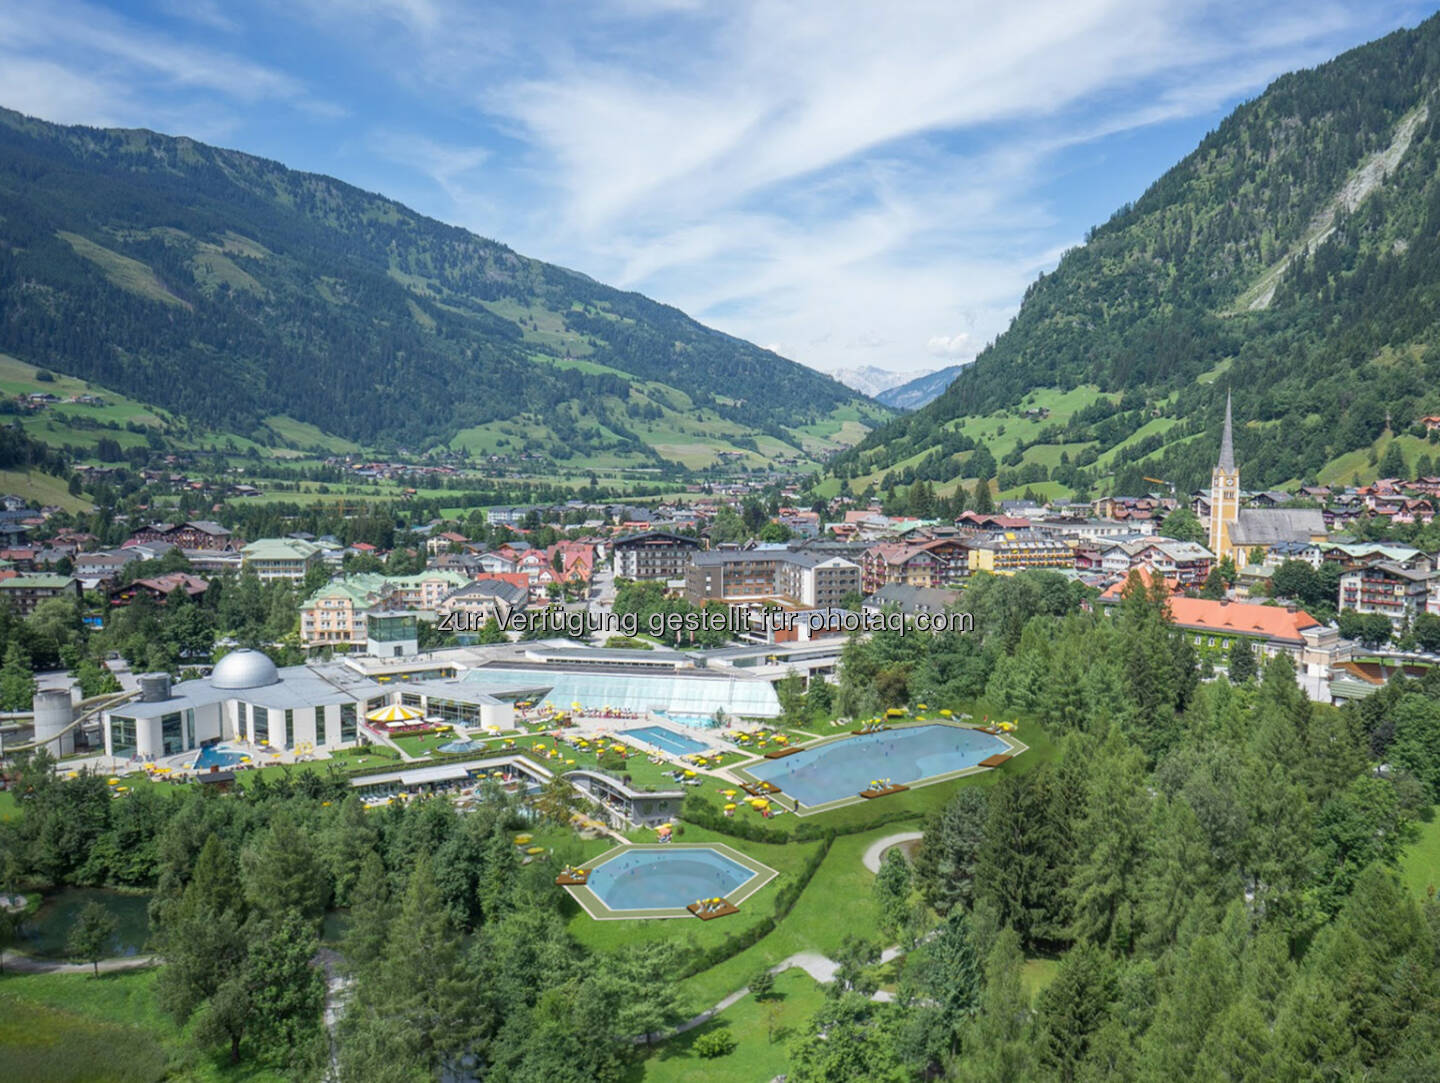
(847, 183)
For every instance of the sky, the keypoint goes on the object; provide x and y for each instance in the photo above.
(845, 183)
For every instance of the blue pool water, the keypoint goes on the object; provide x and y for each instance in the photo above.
(217, 757)
(672, 742)
(844, 768)
(694, 721)
(661, 879)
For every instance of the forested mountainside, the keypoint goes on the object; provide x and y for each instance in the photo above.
(1294, 256)
(230, 289)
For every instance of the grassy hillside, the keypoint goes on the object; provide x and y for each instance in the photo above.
(292, 308)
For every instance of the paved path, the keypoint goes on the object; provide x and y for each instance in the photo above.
(876, 853)
(27, 964)
(820, 967)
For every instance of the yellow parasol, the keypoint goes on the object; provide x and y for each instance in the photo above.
(396, 712)
(523, 840)
(730, 806)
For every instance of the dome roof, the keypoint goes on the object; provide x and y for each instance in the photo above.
(244, 669)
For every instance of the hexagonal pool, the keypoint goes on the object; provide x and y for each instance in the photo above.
(665, 879)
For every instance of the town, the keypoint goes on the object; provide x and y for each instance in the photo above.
(691, 543)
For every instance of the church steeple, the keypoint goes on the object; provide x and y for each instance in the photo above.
(1227, 442)
(1225, 492)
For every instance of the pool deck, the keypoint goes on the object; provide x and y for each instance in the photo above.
(760, 875)
(745, 780)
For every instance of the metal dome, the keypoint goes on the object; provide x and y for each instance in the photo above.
(244, 669)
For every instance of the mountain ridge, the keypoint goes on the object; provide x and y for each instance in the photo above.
(227, 288)
(923, 389)
(1115, 367)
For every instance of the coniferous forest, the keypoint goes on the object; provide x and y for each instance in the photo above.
(1206, 867)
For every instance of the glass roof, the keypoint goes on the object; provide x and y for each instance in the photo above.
(671, 693)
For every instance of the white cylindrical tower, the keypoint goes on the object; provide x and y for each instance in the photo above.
(53, 712)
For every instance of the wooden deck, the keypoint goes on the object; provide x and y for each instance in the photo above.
(724, 909)
(885, 791)
(780, 753)
(995, 760)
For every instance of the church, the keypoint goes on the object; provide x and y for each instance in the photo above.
(1243, 533)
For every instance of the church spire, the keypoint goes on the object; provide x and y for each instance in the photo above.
(1227, 442)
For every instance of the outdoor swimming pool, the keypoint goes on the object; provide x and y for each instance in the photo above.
(671, 742)
(217, 757)
(843, 768)
(694, 721)
(665, 879)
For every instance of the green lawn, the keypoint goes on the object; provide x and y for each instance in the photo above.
(763, 1029)
(836, 902)
(73, 1027)
(1420, 864)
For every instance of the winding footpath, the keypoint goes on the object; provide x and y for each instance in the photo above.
(820, 967)
(876, 851)
(15, 963)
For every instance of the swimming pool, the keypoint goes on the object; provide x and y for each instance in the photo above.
(843, 768)
(694, 721)
(665, 879)
(217, 757)
(676, 743)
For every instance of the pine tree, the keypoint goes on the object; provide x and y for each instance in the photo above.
(1072, 1007)
(1241, 661)
(1110, 842)
(17, 683)
(982, 502)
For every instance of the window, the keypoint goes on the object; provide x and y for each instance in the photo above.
(259, 724)
(347, 722)
(122, 736)
(172, 737)
(288, 737)
(189, 727)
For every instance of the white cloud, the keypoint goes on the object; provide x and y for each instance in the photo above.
(957, 345)
(853, 183)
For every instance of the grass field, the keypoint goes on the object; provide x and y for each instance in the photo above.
(1420, 864)
(73, 1028)
(763, 1030)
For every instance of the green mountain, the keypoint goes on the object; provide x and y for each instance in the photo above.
(1294, 256)
(244, 296)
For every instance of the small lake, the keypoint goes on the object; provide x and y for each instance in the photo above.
(44, 933)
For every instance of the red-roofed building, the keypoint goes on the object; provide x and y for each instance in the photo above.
(1315, 648)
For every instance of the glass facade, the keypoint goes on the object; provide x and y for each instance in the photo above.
(259, 724)
(122, 736)
(347, 721)
(189, 727)
(172, 736)
(288, 737)
(465, 714)
(394, 629)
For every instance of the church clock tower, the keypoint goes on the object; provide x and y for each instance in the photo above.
(1224, 493)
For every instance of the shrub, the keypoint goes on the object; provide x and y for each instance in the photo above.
(715, 1043)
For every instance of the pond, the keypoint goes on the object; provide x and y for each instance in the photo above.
(44, 933)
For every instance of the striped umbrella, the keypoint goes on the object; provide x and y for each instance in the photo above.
(396, 712)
